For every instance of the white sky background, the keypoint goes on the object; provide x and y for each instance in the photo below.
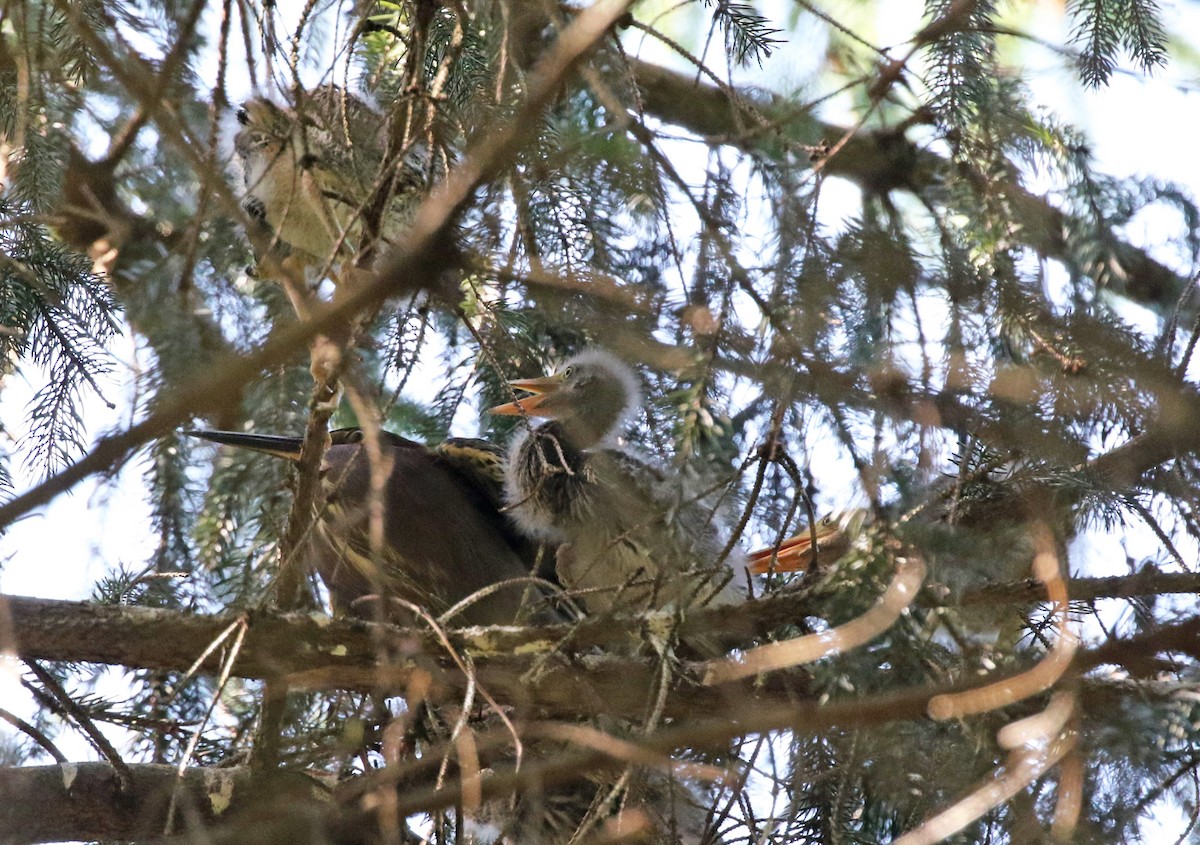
(1136, 126)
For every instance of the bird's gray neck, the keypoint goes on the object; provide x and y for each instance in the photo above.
(599, 418)
(582, 432)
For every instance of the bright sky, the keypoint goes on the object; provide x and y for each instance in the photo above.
(1137, 127)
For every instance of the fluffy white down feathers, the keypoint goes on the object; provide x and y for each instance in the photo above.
(632, 535)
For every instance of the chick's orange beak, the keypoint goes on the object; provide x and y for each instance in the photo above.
(525, 406)
(542, 389)
(834, 535)
(793, 555)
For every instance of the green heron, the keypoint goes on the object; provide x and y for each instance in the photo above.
(310, 170)
(629, 533)
(444, 539)
(833, 535)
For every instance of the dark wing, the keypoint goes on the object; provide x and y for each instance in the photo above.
(479, 463)
(479, 468)
(350, 436)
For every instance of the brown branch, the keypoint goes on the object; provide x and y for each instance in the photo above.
(757, 716)
(1175, 434)
(418, 264)
(879, 161)
(303, 652)
(33, 733)
(36, 806)
(1138, 653)
(74, 801)
(67, 707)
(1149, 582)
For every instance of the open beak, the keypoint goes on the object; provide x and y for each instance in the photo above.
(797, 553)
(542, 389)
(793, 555)
(281, 446)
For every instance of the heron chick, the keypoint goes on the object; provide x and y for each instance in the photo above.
(819, 545)
(630, 534)
(314, 170)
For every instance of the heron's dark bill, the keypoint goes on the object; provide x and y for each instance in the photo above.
(279, 445)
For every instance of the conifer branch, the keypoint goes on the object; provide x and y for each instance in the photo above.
(878, 161)
(307, 652)
(75, 801)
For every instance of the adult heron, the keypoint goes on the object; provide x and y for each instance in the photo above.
(445, 537)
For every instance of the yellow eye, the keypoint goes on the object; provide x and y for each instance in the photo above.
(568, 372)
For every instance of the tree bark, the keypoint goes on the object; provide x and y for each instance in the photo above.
(547, 672)
(878, 161)
(85, 801)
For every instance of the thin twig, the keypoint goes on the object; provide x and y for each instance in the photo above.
(33, 733)
(85, 723)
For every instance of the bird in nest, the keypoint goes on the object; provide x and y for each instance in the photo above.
(445, 537)
(314, 173)
(628, 534)
(825, 542)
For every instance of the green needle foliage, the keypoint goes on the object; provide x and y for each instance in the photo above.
(968, 348)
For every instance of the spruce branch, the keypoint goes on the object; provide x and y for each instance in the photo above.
(67, 706)
(75, 800)
(417, 265)
(879, 161)
(92, 801)
(33, 733)
(308, 653)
